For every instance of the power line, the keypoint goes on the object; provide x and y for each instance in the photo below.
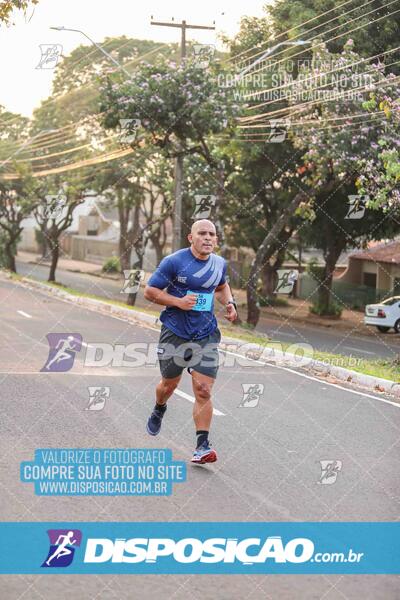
(285, 33)
(340, 96)
(266, 114)
(322, 43)
(321, 25)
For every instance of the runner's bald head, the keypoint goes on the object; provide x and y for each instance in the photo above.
(200, 224)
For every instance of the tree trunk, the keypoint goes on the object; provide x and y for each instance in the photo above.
(325, 289)
(54, 260)
(155, 240)
(131, 299)
(268, 280)
(45, 248)
(10, 256)
(264, 252)
(124, 247)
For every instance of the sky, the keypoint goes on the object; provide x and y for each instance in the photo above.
(23, 85)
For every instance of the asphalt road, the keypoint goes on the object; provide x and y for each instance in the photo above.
(268, 467)
(328, 340)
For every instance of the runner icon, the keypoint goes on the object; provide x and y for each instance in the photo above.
(62, 549)
(63, 345)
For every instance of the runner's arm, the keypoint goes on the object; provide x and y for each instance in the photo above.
(161, 278)
(223, 293)
(161, 297)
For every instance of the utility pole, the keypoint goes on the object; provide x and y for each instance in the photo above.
(177, 217)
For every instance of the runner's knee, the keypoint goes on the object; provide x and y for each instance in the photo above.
(168, 385)
(202, 391)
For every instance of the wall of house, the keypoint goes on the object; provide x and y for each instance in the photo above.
(353, 273)
(91, 249)
(384, 278)
(28, 241)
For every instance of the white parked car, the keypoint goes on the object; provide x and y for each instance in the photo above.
(384, 315)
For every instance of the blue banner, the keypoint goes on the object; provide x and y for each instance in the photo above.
(189, 548)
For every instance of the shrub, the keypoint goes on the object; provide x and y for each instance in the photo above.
(112, 265)
(333, 310)
(273, 301)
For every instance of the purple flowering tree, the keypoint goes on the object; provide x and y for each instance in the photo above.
(347, 146)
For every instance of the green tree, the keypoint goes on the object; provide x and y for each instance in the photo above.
(8, 6)
(17, 201)
(370, 24)
(178, 106)
(340, 141)
(58, 197)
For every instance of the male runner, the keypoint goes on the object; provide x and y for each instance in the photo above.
(189, 333)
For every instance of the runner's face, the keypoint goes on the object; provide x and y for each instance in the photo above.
(204, 239)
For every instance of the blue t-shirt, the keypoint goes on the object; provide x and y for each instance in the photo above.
(180, 273)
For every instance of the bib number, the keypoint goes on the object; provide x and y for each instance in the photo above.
(204, 301)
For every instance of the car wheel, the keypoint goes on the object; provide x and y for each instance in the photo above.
(383, 329)
(397, 326)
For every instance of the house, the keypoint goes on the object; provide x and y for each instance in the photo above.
(95, 238)
(28, 241)
(377, 267)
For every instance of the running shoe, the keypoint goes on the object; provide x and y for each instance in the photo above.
(154, 422)
(204, 454)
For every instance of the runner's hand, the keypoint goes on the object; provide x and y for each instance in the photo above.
(231, 314)
(187, 302)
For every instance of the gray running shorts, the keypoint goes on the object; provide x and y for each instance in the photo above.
(175, 354)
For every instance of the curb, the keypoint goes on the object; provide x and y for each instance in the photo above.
(92, 273)
(253, 351)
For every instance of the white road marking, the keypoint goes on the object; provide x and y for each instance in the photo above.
(216, 412)
(340, 387)
(359, 350)
(24, 314)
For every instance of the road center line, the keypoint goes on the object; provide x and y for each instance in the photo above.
(24, 314)
(216, 412)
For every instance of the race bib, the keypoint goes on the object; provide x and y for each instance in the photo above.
(204, 300)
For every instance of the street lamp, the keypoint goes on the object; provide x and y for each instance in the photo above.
(268, 53)
(62, 28)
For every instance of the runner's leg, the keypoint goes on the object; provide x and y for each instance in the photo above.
(163, 391)
(202, 410)
(166, 388)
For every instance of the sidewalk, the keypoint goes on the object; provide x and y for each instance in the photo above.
(297, 310)
(68, 264)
